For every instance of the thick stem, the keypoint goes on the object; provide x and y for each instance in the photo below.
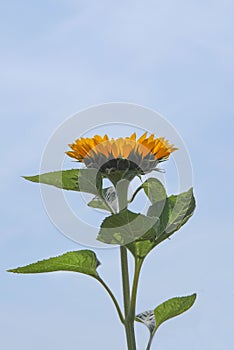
(113, 298)
(129, 322)
(125, 279)
(130, 335)
(122, 193)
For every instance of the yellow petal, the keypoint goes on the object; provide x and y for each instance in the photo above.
(142, 138)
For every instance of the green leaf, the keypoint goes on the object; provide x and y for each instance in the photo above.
(172, 307)
(84, 180)
(90, 181)
(159, 209)
(98, 203)
(66, 179)
(126, 227)
(152, 319)
(180, 208)
(140, 248)
(173, 213)
(155, 190)
(83, 261)
(158, 197)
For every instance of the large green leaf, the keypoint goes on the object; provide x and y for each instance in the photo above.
(90, 181)
(83, 261)
(172, 307)
(66, 179)
(126, 227)
(155, 190)
(159, 209)
(157, 195)
(173, 213)
(84, 180)
(180, 208)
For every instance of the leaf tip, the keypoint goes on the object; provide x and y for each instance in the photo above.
(12, 270)
(29, 178)
(194, 297)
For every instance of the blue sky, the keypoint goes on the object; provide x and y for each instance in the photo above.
(58, 57)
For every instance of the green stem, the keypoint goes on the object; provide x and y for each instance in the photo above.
(135, 193)
(113, 298)
(129, 321)
(125, 279)
(150, 341)
(138, 265)
(122, 193)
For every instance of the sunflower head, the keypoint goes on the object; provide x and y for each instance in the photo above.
(121, 157)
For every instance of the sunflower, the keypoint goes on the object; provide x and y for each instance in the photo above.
(129, 155)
